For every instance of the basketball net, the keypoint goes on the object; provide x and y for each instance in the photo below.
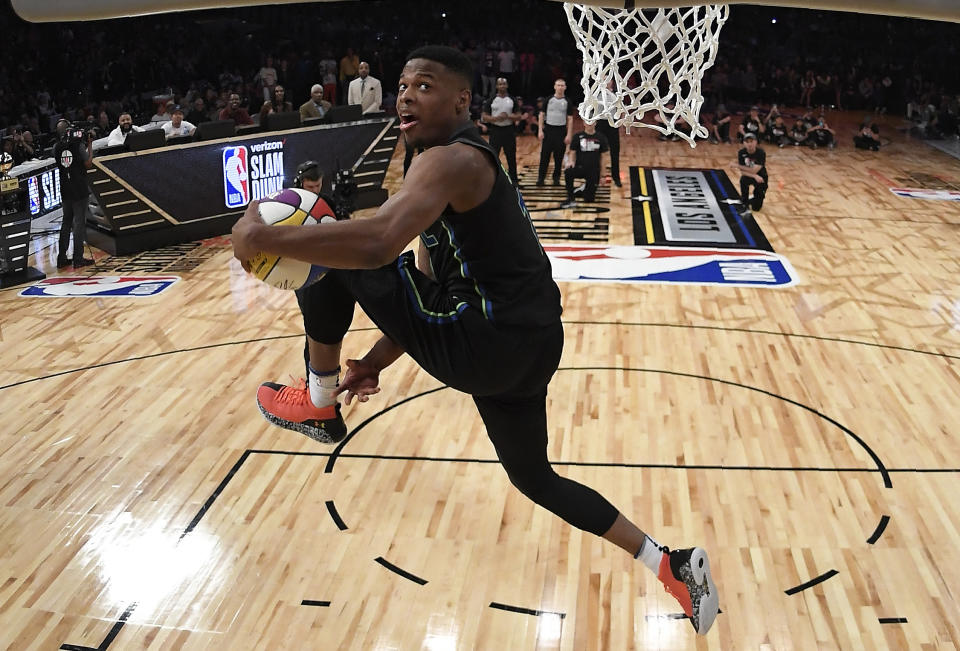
(640, 60)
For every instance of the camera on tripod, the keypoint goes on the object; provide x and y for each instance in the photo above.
(344, 193)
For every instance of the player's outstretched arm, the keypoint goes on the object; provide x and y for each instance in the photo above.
(456, 175)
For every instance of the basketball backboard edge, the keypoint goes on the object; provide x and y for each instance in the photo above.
(67, 10)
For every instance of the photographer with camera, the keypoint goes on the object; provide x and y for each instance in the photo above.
(74, 156)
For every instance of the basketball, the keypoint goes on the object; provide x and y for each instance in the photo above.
(290, 207)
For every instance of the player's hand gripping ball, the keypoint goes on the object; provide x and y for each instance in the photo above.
(290, 207)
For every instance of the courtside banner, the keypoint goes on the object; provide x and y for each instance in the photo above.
(691, 207)
(100, 286)
(681, 266)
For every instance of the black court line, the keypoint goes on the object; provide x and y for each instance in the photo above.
(791, 335)
(311, 602)
(525, 611)
(337, 520)
(884, 473)
(114, 631)
(884, 520)
(163, 354)
(892, 620)
(812, 582)
(620, 323)
(876, 459)
(393, 568)
(336, 452)
(216, 493)
(611, 464)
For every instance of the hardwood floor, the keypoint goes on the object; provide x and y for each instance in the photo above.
(802, 433)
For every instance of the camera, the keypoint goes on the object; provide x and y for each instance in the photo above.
(76, 132)
(344, 192)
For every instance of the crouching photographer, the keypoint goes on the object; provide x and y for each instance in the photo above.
(73, 153)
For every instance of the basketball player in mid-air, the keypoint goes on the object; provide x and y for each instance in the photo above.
(478, 309)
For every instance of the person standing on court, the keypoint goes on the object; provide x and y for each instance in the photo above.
(365, 91)
(555, 131)
(74, 157)
(589, 146)
(477, 309)
(612, 134)
(752, 161)
(501, 113)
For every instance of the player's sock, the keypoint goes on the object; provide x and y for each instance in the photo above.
(650, 553)
(323, 386)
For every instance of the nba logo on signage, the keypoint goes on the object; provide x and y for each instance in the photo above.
(236, 179)
(33, 191)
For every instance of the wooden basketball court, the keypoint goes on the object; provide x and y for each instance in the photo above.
(806, 436)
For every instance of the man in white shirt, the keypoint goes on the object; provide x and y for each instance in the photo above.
(365, 91)
(177, 126)
(119, 135)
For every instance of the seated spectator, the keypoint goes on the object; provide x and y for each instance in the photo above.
(265, 110)
(868, 135)
(316, 106)
(178, 126)
(279, 100)
(233, 111)
(103, 125)
(198, 113)
(719, 126)
(777, 132)
(821, 134)
(751, 124)
(798, 133)
(124, 126)
(164, 113)
(22, 146)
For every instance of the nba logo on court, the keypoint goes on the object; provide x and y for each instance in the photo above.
(236, 180)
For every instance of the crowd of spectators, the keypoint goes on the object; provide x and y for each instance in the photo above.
(245, 62)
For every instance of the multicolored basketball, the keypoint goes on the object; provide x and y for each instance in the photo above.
(290, 207)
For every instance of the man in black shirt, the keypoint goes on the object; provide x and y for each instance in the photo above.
(821, 134)
(777, 132)
(74, 158)
(868, 135)
(479, 310)
(798, 133)
(752, 124)
(752, 162)
(719, 126)
(589, 146)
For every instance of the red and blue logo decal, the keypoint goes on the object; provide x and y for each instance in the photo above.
(100, 286)
(685, 266)
(236, 177)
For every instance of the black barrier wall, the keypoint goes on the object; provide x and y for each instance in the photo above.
(181, 193)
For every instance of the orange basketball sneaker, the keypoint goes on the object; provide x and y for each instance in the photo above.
(685, 573)
(290, 407)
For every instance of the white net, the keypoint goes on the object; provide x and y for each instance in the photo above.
(641, 60)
